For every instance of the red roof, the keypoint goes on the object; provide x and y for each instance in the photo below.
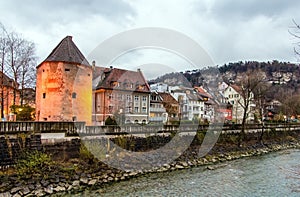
(202, 92)
(236, 88)
(124, 80)
(168, 98)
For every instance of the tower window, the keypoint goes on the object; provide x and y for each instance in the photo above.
(44, 95)
(67, 69)
(74, 95)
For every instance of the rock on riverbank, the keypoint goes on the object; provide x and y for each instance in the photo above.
(59, 183)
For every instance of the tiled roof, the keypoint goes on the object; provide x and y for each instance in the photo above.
(237, 88)
(168, 98)
(202, 92)
(120, 79)
(67, 51)
(195, 97)
(6, 80)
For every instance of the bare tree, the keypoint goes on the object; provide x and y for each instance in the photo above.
(295, 32)
(3, 50)
(248, 84)
(20, 63)
(17, 62)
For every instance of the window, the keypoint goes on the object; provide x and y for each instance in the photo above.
(128, 97)
(128, 109)
(67, 69)
(74, 95)
(136, 98)
(110, 96)
(144, 109)
(136, 109)
(120, 97)
(144, 98)
(110, 108)
(44, 95)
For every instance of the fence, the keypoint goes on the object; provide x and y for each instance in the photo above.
(41, 127)
(79, 128)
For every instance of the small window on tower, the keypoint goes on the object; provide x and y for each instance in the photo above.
(44, 95)
(67, 69)
(74, 95)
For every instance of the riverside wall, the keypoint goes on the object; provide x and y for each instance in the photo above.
(94, 174)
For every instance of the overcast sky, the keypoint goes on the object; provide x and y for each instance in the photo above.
(228, 30)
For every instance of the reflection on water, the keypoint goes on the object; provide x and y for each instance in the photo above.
(269, 175)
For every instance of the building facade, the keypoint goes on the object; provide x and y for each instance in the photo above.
(122, 94)
(234, 96)
(158, 113)
(64, 85)
(9, 95)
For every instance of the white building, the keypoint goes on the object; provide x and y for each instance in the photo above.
(234, 95)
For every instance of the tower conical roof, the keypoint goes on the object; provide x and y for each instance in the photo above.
(67, 51)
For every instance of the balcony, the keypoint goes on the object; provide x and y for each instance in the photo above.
(154, 109)
(157, 119)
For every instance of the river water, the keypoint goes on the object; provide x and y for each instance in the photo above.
(269, 175)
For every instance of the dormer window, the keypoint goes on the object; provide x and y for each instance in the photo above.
(114, 83)
(140, 87)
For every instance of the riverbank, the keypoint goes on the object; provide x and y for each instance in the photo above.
(86, 173)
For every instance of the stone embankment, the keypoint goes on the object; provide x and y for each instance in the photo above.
(59, 183)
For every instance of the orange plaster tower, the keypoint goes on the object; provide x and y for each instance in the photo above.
(64, 85)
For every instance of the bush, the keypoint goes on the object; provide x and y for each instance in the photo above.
(23, 113)
(34, 163)
(86, 155)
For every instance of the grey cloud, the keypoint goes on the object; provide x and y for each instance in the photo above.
(63, 11)
(237, 9)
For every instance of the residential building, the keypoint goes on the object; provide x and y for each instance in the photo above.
(9, 95)
(158, 113)
(234, 96)
(180, 95)
(191, 103)
(123, 94)
(209, 104)
(171, 105)
(159, 87)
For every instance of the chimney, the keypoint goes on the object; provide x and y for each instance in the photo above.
(139, 70)
(93, 65)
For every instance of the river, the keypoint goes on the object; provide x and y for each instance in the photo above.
(268, 175)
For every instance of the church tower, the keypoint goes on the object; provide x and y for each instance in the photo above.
(64, 85)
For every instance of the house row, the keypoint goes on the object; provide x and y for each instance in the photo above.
(224, 104)
(68, 88)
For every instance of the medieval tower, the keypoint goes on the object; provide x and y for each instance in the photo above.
(64, 85)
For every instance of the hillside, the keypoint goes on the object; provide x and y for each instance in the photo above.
(283, 78)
